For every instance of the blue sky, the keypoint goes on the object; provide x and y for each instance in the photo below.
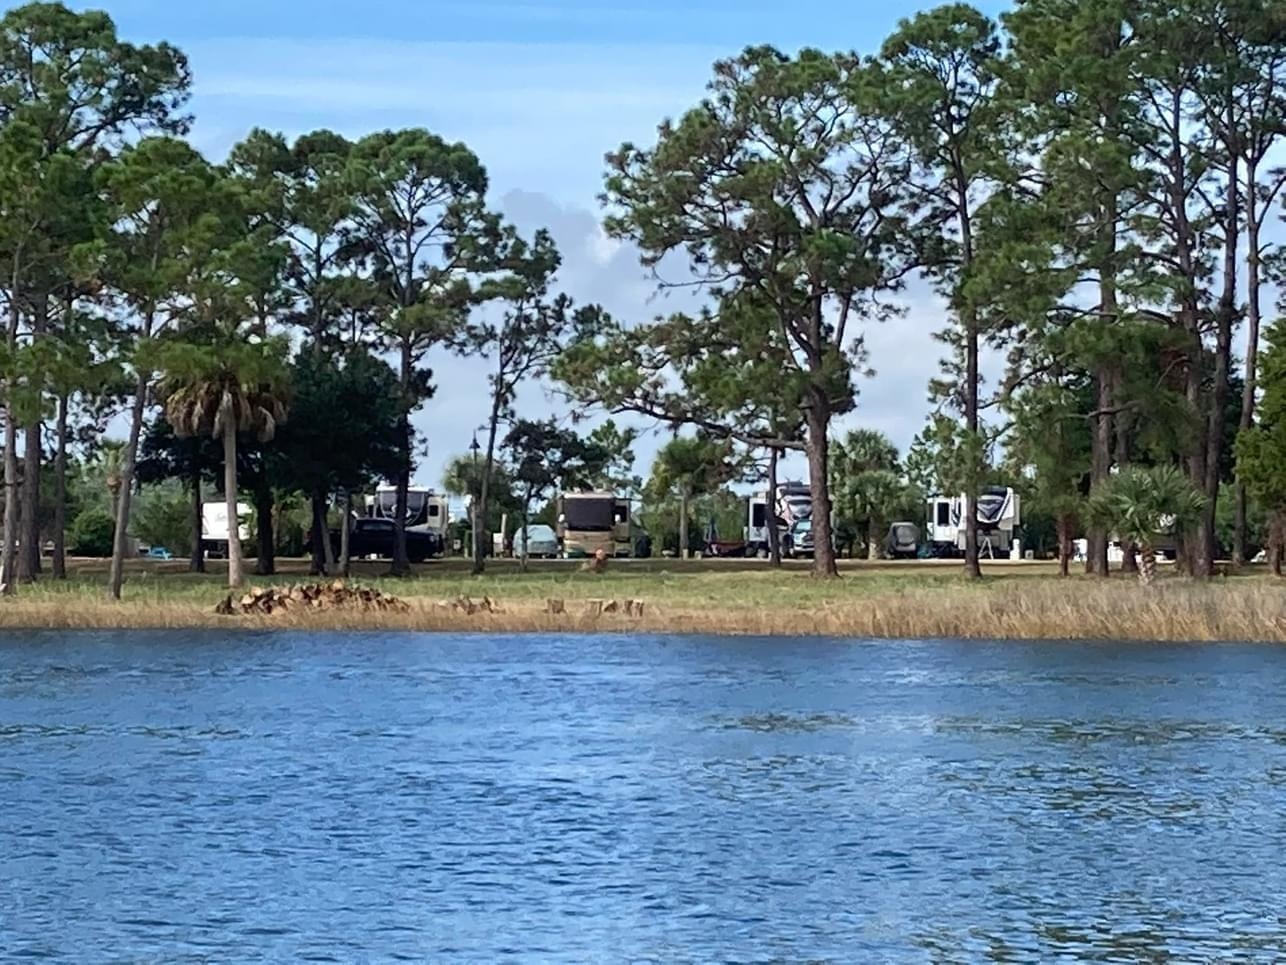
(540, 90)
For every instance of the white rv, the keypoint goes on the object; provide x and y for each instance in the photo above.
(792, 502)
(214, 525)
(425, 509)
(999, 516)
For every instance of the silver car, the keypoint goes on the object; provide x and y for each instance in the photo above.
(542, 542)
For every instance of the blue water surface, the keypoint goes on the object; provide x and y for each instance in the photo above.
(200, 797)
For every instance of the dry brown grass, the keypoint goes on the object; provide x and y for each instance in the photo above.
(907, 604)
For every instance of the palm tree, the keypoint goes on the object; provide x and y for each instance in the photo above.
(113, 457)
(221, 390)
(1142, 503)
(691, 466)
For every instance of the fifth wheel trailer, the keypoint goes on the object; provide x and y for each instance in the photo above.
(999, 516)
(426, 510)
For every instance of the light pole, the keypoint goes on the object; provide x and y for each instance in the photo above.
(473, 498)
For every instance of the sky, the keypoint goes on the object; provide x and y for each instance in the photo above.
(540, 90)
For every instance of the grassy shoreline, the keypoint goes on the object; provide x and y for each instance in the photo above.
(890, 601)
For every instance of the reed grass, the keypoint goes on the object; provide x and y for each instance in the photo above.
(909, 601)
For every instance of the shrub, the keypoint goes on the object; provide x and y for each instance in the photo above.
(92, 533)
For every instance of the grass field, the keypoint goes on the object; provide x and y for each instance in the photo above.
(900, 600)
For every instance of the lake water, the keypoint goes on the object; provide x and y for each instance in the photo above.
(198, 797)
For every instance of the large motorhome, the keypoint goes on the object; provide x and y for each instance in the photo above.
(425, 509)
(792, 501)
(999, 517)
(590, 521)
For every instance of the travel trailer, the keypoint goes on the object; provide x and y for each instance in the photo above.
(426, 510)
(793, 502)
(999, 517)
(590, 521)
(214, 526)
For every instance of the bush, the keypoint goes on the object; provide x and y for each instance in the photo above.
(92, 534)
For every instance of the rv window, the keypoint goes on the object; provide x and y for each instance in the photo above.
(758, 515)
(433, 510)
(944, 514)
(621, 514)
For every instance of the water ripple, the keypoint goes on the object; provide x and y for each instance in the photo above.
(338, 798)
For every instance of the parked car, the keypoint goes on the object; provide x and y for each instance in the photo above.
(542, 542)
(903, 541)
(374, 537)
(159, 553)
(801, 538)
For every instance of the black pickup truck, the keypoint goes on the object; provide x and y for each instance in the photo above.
(374, 537)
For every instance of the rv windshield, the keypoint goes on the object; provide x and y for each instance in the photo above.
(800, 506)
(589, 514)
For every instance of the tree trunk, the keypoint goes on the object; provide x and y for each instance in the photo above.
(972, 566)
(683, 521)
(196, 560)
(401, 565)
(526, 521)
(1147, 564)
(774, 534)
(1096, 537)
(328, 548)
(266, 561)
(1105, 377)
(874, 545)
(120, 540)
(1253, 284)
(819, 485)
(1225, 318)
(230, 495)
(10, 502)
(60, 493)
(8, 581)
(1064, 528)
(484, 489)
(29, 550)
(1129, 557)
(1123, 425)
(321, 537)
(29, 541)
(1276, 542)
(345, 534)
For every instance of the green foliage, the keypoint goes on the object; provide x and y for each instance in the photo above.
(1261, 450)
(1049, 446)
(163, 517)
(225, 384)
(617, 470)
(92, 533)
(545, 456)
(692, 466)
(343, 431)
(868, 488)
(463, 477)
(1139, 504)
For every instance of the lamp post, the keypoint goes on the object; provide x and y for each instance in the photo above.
(473, 498)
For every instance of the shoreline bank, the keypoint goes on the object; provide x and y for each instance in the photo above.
(1175, 611)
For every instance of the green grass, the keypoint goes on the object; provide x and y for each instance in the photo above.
(909, 599)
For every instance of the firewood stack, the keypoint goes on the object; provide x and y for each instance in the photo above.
(267, 600)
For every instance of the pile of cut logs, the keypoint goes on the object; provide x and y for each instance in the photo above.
(267, 600)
